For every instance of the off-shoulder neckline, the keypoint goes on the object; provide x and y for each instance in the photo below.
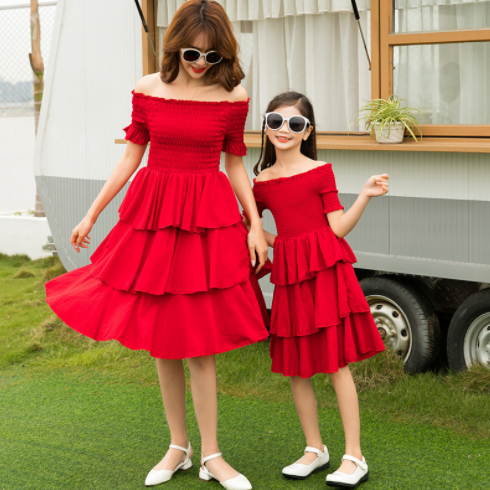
(186, 101)
(281, 179)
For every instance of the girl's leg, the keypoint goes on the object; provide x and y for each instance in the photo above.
(172, 384)
(346, 392)
(306, 406)
(204, 395)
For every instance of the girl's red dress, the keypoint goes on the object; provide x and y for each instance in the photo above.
(173, 276)
(320, 318)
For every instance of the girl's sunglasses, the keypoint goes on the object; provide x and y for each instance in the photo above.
(297, 124)
(192, 55)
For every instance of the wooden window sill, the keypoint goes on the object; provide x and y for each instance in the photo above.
(366, 143)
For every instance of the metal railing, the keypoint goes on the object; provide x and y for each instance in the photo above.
(16, 77)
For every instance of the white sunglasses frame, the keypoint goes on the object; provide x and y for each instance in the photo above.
(184, 50)
(286, 119)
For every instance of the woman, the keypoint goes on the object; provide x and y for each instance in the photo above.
(174, 275)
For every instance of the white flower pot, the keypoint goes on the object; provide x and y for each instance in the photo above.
(396, 132)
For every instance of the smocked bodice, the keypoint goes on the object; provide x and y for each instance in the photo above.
(299, 203)
(187, 136)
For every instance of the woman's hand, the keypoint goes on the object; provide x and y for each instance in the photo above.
(247, 223)
(257, 246)
(80, 236)
(376, 186)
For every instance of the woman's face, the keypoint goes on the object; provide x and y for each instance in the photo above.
(283, 138)
(197, 69)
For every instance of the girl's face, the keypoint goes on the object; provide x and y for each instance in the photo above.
(197, 69)
(284, 138)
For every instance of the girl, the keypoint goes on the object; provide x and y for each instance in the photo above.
(321, 321)
(174, 276)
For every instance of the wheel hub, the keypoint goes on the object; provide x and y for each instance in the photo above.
(477, 341)
(392, 324)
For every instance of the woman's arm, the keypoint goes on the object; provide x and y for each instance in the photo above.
(270, 238)
(241, 185)
(120, 175)
(343, 223)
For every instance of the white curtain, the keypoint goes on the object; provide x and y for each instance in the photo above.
(311, 46)
(318, 55)
(448, 82)
(314, 47)
(265, 9)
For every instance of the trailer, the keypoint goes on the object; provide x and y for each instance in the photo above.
(423, 253)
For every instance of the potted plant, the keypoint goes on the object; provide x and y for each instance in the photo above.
(387, 120)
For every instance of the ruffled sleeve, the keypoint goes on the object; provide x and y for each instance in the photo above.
(328, 190)
(235, 127)
(137, 132)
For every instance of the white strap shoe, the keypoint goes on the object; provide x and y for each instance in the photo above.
(240, 482)
(155, 477)
(339, 479)
(299, 471)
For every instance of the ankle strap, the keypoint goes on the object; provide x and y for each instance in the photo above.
(362, 464)
(310, 449)
(207, 458)
(186, 451)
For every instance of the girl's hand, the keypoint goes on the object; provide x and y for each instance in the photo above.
(80, 236)
(376, 186)
(257, 246)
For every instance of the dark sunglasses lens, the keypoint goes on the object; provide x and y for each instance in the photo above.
(191, 56)
(212, 58)
(296, 124)
(274, 121)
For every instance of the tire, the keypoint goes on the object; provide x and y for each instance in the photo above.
(406, 320)
(468, 340)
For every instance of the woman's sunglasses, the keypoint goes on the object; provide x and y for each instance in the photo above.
(192, 55)
(297, 124)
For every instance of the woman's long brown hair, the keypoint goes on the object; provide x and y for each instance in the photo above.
(207, 17)
(308, 148)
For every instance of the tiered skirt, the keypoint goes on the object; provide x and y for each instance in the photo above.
(321, 320)
(173, 277)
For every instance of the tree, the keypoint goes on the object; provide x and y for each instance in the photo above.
(37, 65)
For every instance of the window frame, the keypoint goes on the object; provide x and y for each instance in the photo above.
(150, 64)
(388, 40)
(437, 138)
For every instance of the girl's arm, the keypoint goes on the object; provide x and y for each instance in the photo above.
(241, 185)
(120, 175)
(343, 223)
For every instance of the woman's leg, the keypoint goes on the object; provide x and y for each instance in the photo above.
(204, 395)
(172, 384)
(306, 406)
(346, 392)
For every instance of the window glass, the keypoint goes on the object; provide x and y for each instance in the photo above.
(448, 82)
(424, 16)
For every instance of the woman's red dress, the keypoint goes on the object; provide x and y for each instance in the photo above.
(173, 277)
(320, 318)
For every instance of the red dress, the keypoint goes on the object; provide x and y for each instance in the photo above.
(173, 277)
(320, 318)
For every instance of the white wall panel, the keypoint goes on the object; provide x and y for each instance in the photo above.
(97, 53)
(430, 175)
(479, 177)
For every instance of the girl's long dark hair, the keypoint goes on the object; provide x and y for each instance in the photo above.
(308, 148)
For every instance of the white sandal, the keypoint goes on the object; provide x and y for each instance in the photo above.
(155, 477)
(340, 479)
(300, 471)
(239, 482)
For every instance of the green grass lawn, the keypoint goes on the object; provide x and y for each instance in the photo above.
(77, 414)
